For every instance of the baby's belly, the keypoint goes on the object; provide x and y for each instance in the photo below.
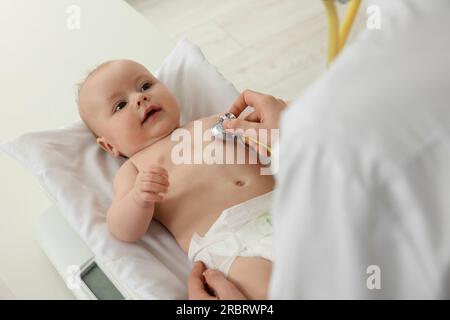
(201, 192)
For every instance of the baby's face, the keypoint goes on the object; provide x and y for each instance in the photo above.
(127, 107)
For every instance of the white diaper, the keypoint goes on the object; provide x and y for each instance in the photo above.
(242, 230)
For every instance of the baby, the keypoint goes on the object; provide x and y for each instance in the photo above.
(218, 213)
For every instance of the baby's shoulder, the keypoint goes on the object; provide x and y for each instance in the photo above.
(125, 178)
(126, 170)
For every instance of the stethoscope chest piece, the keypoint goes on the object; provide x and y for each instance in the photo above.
(219, 132)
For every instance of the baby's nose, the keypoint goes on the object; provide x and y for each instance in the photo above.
(141, 100)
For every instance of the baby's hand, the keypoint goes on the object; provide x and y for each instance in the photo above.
(149, 185)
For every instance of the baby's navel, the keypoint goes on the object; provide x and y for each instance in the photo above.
(240, 183)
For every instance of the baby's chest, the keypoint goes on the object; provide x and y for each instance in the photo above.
(152, 156)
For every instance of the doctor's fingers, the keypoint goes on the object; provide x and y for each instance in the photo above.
(267, 108)
(196, 288)
(255, 116)
(251, 98)
(248, 130)
(224, 289)
(241, 124)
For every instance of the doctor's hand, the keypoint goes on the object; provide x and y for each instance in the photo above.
(211, 285)
(265, 116)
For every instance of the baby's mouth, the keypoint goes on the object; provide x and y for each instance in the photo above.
(151, 113)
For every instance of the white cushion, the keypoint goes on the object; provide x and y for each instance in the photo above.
(199, 87)
(78, 177)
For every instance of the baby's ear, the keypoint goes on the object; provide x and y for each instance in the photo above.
(105, 145)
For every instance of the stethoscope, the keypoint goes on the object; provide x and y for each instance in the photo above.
(219, 132)
(338, 34)
(337, 37)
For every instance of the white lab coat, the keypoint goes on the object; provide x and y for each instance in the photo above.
(362, 205)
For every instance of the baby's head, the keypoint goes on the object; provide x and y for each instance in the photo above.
(126, 107)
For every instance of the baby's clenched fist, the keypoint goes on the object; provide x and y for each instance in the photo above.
(150, 185)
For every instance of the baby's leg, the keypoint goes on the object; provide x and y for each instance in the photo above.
(251, 275)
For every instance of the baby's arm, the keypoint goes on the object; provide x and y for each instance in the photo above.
(133, 205)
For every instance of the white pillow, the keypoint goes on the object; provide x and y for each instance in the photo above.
(199, 87)
(78, 177)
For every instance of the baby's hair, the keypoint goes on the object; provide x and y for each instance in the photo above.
(79, 86)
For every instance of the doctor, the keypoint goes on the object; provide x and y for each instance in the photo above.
(362, 203)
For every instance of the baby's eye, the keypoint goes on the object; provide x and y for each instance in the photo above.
(120, 106)
(146, 86)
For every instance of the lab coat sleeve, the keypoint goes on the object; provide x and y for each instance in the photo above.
(320, 244)
(337, 234)
(361, 209)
